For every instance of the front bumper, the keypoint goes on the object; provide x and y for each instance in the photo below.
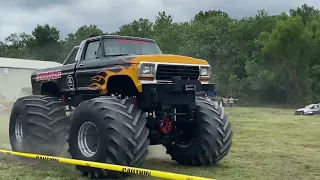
(181, 86)
(166, 95)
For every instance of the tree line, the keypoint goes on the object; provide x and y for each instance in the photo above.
(260, 59)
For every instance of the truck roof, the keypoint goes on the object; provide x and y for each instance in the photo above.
(122, 37)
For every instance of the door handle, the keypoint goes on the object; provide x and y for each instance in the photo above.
(80, 64)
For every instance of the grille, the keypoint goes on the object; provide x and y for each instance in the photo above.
(166, 72)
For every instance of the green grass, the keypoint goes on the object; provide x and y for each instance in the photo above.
(268, 144)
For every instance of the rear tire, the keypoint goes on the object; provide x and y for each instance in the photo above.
(212, 138)
(38, 124)
(122, 135)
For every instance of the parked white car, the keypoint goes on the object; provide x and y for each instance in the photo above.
(310, 109)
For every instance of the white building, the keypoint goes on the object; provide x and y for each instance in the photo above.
(15, 74)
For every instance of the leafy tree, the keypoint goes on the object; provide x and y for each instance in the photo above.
(45, 43)
(167, 33)
(305, 12)
(258, 59)
(288, 48)
(139, 28)
(87, 31)
(74, 39)
(203, 16)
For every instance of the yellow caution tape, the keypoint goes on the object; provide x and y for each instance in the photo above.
(113, 167)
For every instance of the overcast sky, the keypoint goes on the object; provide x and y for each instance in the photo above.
(18, 16)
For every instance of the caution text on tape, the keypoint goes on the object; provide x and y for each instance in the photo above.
(112, 167)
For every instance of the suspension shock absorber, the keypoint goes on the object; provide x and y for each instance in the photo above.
(174, 114)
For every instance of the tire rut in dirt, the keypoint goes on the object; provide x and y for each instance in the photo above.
(212, 140)
(123, 136)
(44, 125)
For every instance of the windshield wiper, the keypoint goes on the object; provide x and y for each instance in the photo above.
(114, 55)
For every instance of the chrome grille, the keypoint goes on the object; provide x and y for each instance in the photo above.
(165, 72)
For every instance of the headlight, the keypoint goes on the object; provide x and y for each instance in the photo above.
(205, 71)
(146, 70)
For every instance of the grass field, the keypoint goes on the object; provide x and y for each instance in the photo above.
(268, 144)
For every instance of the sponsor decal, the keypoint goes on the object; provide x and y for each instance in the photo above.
(136, 171)
(70, 82)
(54, 74)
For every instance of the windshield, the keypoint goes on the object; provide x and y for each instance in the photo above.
(127, 47)
(309, 106)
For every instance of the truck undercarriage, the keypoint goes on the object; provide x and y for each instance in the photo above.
(169, 107)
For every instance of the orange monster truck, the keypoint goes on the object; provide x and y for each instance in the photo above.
(126, 95)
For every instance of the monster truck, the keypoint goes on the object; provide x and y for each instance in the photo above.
(126, 95)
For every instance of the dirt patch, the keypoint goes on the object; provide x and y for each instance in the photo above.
(158, 152)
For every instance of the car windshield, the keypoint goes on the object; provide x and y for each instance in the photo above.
(118, 47)
(309, 106)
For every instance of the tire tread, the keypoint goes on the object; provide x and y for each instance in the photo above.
(216, 137)
(124, 123)
(49, 124)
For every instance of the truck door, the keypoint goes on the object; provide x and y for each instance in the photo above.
(68, 82)
(88, 67)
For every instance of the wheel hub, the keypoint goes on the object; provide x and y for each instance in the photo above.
(186, 135)
(88, 139)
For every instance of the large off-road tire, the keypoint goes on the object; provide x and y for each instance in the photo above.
(121, 135)
(211, 139)
(38, 124)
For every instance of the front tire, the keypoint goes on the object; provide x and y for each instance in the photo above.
(122, 137)
(212, 137)
(38, 124)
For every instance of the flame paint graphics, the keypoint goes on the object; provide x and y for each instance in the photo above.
(99, 81)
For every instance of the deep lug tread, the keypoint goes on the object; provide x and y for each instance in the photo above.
(48, 130)
(125, 141)
(214, 137)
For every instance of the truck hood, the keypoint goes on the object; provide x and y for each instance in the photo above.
(136, 59)
(165, 58)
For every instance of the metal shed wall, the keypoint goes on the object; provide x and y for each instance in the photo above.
(15, 74)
